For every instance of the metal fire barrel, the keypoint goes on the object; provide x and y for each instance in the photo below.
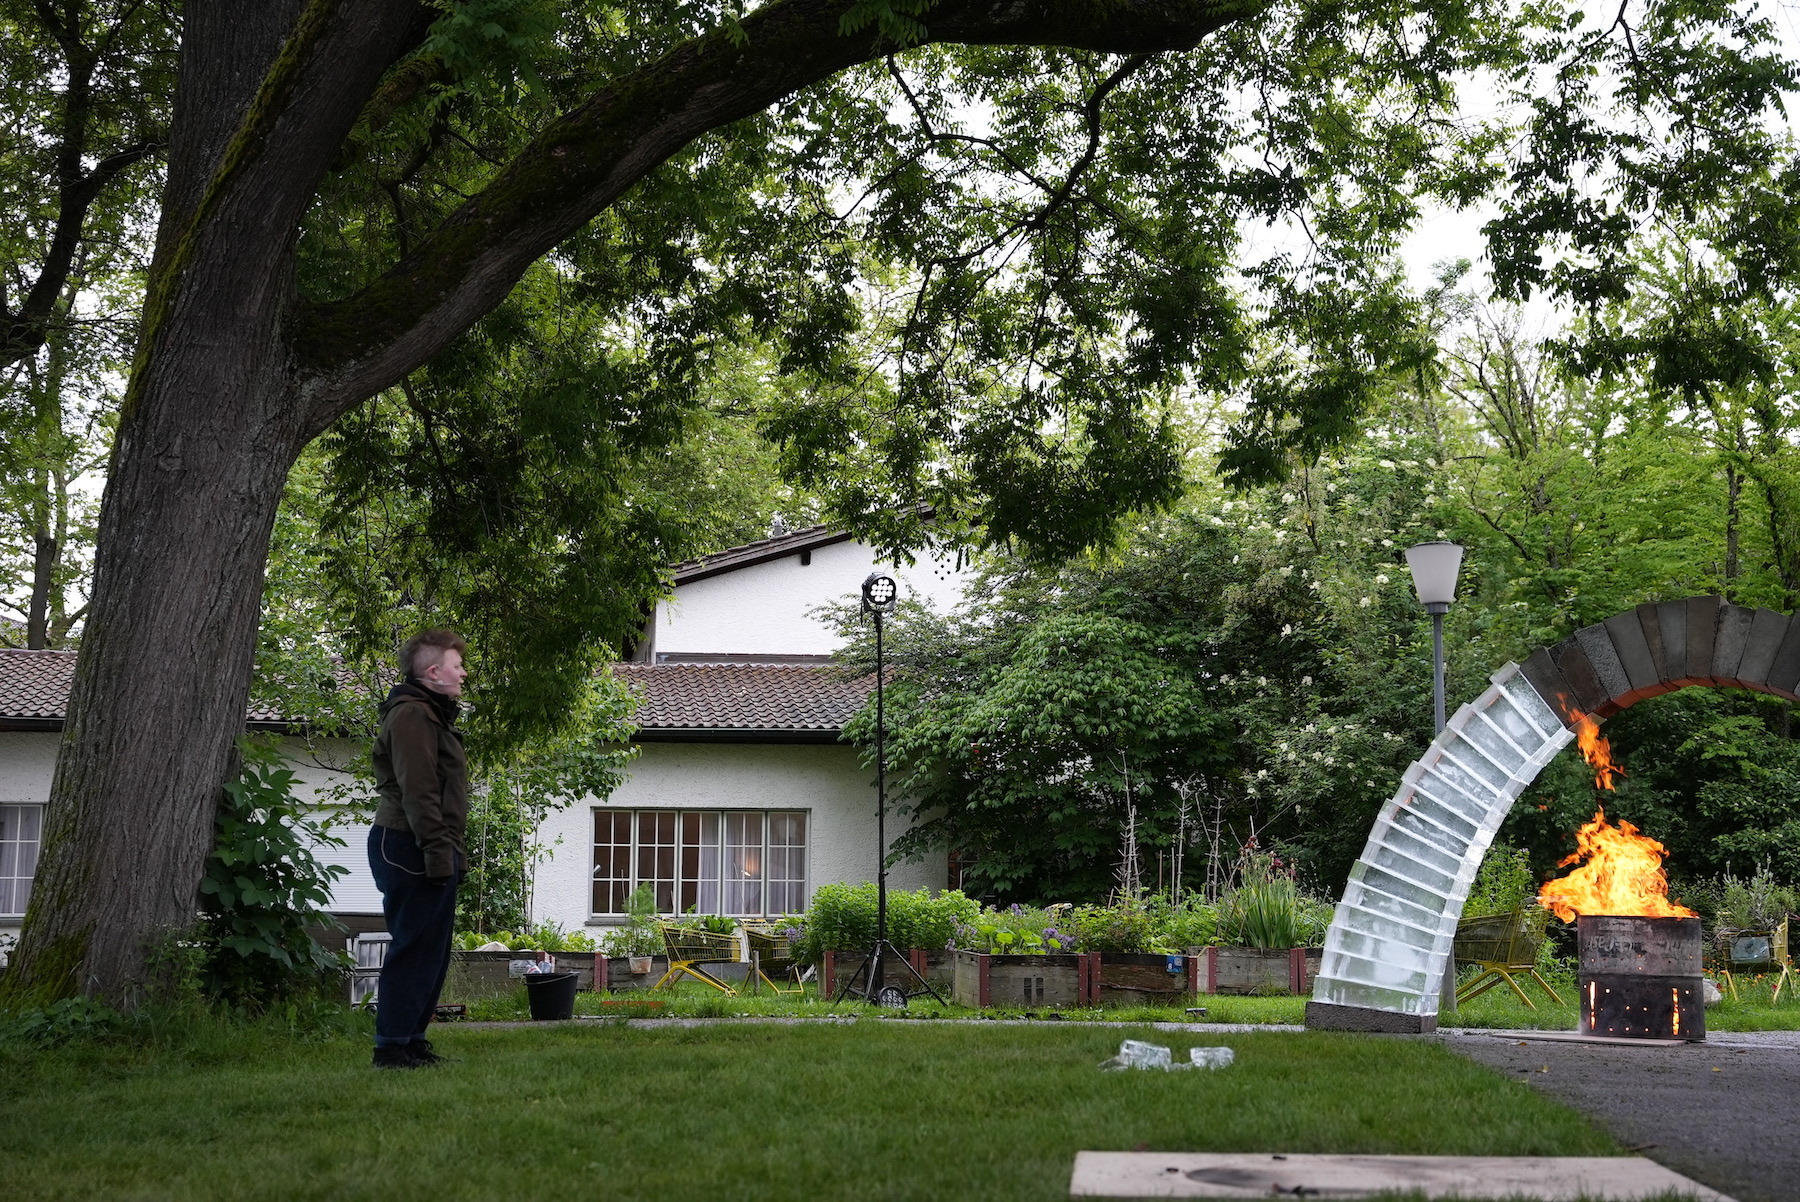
(1640, 978)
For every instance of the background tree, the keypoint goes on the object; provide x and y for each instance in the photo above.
(84, 101)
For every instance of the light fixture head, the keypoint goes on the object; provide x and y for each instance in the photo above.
(1434, 567)
(879, 593)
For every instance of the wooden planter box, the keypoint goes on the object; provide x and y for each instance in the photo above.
(476, 975)
(1253, 970)
(617, 976)
(1024, 981)
(1144, 979)
(937, 967)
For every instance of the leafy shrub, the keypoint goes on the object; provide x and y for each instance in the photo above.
(1017, 931)
(1193, 923)
(842, 918)
(1272, 914)
(1127, 926)
(61, 1021)
(640, 936)
(1758, 904)
(717, 924)
(546, 937)
(1503, 884)
(263, 887)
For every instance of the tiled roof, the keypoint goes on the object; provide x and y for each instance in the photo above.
(757, 552)
(34, 687)
(35, 684)
(740, 699)
(744, 698)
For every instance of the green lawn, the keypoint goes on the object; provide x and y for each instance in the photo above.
(870, 1109)
(1497, 1008)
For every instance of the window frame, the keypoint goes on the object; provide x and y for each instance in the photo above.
(708, 858)
(12, 879)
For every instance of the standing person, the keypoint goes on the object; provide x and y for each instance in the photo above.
(416, 842)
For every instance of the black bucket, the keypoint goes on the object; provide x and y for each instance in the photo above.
(551, 994)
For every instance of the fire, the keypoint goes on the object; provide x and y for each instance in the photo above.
(1597, 751)
(1622, 875)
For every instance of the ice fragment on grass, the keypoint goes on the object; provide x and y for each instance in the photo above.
(1134, 1053)
(1209, 1057)
(1137, 1054)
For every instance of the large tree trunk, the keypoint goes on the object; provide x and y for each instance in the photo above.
(211, 424)
(164, 669)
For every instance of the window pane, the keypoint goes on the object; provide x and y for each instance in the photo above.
(786, 875)
(20, 827)
(702, 879)
(657, 845)
(612, 860)
(690, 862)
(743, 863)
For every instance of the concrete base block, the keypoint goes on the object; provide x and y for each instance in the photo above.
(1260, 1175)
(1328, 1016)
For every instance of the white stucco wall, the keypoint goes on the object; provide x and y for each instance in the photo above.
(768, 609)
(28, 762)
(826, 781)
(322, 769)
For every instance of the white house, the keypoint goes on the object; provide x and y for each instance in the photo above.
(743, 798)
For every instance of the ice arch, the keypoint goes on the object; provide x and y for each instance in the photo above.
(1389, 943)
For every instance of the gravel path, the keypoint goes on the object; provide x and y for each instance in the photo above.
(1723, 1112)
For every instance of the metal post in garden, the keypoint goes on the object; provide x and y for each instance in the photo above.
(1434, 568)
(879, 596)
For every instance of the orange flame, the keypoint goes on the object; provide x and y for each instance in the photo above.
(1597, 751)
(1622, 875)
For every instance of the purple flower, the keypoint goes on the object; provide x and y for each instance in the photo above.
(1016, 910)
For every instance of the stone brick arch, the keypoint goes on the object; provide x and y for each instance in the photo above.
(1390, 941)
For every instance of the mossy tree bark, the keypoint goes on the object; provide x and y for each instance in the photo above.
(235, 374)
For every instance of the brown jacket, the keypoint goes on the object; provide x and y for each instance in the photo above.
(423, 778)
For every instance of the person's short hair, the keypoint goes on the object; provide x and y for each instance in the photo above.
(427, 647)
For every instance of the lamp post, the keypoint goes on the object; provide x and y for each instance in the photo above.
(1434, 567)
(879, 596)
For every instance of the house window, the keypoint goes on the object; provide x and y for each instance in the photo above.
(21, 829)
(741, 862)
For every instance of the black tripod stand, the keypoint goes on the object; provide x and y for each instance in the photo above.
(869, 983)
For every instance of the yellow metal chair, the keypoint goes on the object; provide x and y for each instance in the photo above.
(691, 949)
(773, 960)
(1503, 946)
(1748, 951)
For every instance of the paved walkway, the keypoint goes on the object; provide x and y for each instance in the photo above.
(1725, 1112)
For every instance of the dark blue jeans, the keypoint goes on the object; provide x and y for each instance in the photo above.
(421, 917)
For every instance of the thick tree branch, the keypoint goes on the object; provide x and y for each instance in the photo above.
(585, 160)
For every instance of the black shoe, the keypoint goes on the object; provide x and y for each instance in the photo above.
(422, 1051)
(386, 1057)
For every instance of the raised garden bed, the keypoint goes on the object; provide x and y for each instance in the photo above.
(1023, 981)
(1261, 971)
(937, 967)
(1143, 979)
(475, 975)
(620, 979)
